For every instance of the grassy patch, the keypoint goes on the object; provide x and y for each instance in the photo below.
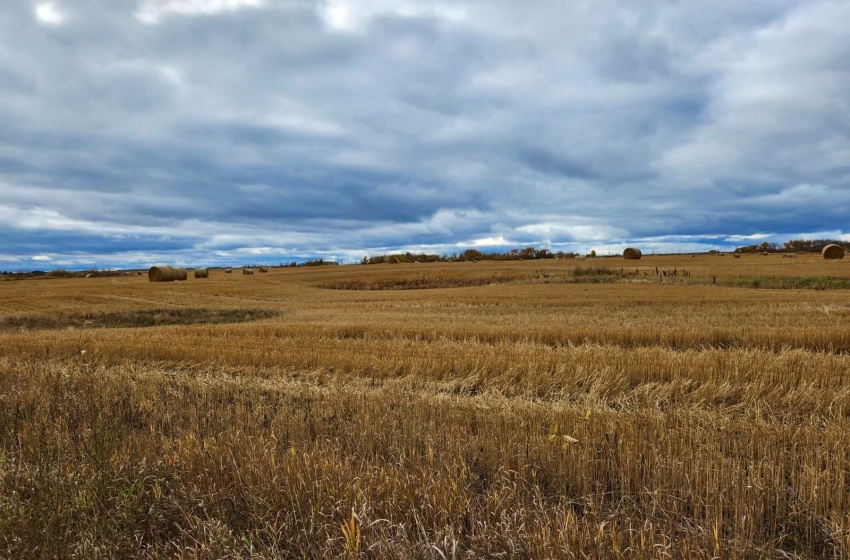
(790, 283)
(418, 283)
(585, 271)
(133, 319)
(578, 275)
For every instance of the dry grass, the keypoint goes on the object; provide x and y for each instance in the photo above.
(539, 417)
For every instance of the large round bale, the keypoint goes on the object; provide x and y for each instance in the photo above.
(166, 273)
(162, 273)
(228, 271)
(202, 273)
(833, 251)
(264, 269)
(247, 271)
(632, 254)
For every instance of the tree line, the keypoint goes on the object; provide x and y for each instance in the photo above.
(470, 255)
(793, 246)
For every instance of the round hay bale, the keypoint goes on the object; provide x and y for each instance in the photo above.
(632, 254)
(247, 271)
(228, 271)
(736, 255)
(90, 275)
(833, 251)
(264, 269)
(166, 273)
(202, 273)
(162, 273)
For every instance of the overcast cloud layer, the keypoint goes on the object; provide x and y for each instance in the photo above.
(249, 131)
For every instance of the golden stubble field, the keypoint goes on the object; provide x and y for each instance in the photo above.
(596, 408)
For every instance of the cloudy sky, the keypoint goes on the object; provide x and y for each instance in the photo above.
(251, 131)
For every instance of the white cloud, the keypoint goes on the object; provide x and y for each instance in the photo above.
(151, 11)
(499, 241)
(41, 258)
(353, 15)
(573, 232)
(49, 14)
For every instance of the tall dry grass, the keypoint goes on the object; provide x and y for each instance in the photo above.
(518, 420)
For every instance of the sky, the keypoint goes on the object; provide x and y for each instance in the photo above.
(204, 132)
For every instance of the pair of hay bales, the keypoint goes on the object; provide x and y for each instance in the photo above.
(632, 254)
(833, 251)
(166, 273)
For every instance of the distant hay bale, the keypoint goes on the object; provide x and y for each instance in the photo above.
(632, 254)
(139, 273)
(263, 269)
(247, 271)
(228, 271)
(736, 255)
(202, 273)
(166, 273)
(833, 251)
(90, 275)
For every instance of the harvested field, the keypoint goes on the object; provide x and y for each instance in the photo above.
(540, 409)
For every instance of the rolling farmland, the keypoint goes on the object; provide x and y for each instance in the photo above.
(668, 407)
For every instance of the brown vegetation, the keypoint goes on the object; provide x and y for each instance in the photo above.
(540, 417)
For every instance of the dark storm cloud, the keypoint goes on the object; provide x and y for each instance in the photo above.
(213, 130)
